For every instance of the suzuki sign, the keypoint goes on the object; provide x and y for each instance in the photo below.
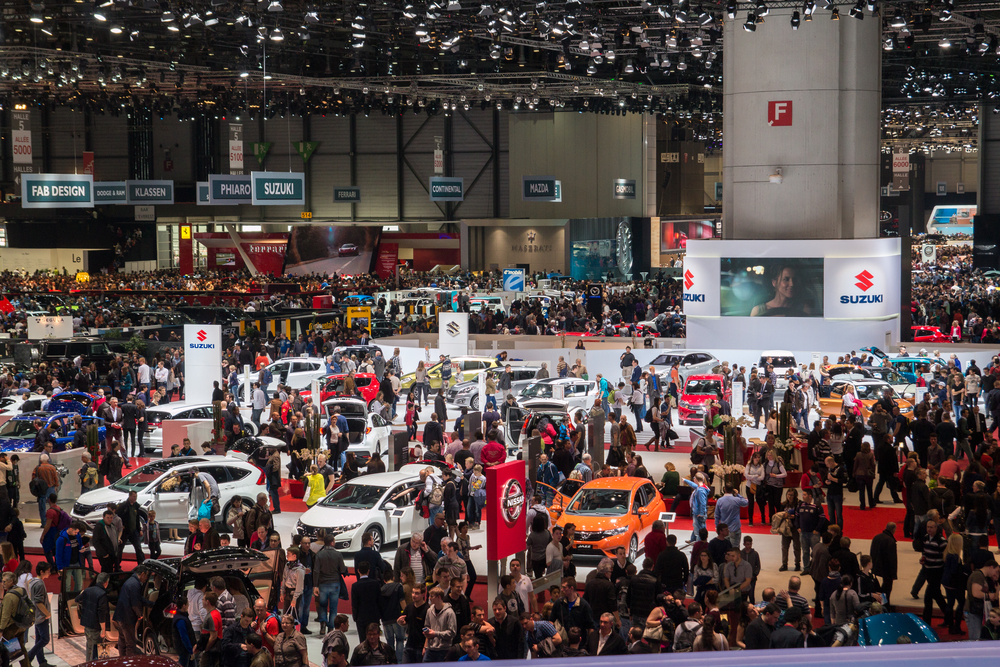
(701, 286)
(202, 360)
(861, 287)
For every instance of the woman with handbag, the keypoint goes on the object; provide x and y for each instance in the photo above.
(704, 576)
(754, 473)
(774, 481)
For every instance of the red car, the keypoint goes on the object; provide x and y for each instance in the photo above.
(332, 386)
(929, 334)
(697, 391)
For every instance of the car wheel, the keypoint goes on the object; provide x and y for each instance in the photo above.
(377, 537)
(633, 549)
(369, 406)
(474, 404)
(149, 644)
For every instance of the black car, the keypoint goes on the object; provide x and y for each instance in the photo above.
(360, 351)
(247, 572)
(53, 350)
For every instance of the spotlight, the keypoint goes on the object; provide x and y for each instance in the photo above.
(751, 23)
(100, 17)
(312, 17)
(796, 20)
(629, 67)
(898, 20)
(889, 43)
(731, 9)
(858, 10)
(276, 35)
(167, 17)
(116, 30)
(835, 15)
(762, 9)
(810, 7)
(275, 6)
(244, 74)
(36, 18)
(454, 6)
(944, 43)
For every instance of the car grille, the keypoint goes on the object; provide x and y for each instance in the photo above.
(453, 394)
(80, 509)
(595, 536)
(308, 531)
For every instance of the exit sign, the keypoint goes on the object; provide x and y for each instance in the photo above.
(307, 215)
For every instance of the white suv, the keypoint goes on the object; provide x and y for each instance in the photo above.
(294, 372)
(170, 498)
(781, 361)
(202, 412)
(577, 394)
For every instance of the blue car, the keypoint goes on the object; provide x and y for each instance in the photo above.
(78, 402)
(18, 434)
(888, 628)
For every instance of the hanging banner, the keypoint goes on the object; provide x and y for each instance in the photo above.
(539, 188)
(386, 264)
(110, 192)
(20, 137)
(347, 195)
(229, 190)
(438, 156)
(203, 193)
(900, 171)
(305, 149)
(88, 163)
(276, 188)
(260, 150)
(447, 188)
(236, 148)
(149, 192)
(57, 191)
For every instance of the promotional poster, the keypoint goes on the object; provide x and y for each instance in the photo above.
(766, 287)
(342, 249)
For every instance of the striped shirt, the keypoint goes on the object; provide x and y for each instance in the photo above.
(934, 551)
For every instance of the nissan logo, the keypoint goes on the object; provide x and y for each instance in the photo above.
(453, 328)
(511, 501)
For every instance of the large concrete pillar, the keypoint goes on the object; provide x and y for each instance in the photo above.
(806, 101)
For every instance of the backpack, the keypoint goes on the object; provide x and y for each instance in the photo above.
(437, 494)
(24, 616)
(89, 478)
(64, 521)
(648, 417)
(38, 486)
(685, 640)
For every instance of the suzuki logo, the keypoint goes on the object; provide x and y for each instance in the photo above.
(864, 281)
(453, 328)
(201, 335)
(688, 279)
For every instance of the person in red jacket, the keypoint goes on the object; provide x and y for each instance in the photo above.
(656, 541)
(493, 453)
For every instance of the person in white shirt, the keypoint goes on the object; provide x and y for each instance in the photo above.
(143, 372)
(162, 374)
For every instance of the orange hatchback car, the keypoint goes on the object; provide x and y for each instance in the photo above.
(612, 512)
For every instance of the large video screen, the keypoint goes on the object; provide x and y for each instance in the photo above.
(675, 234)
(770, 287)
(346, 250)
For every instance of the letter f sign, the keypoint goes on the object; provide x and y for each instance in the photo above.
(779, 113)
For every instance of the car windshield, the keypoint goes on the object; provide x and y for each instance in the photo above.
(890, 376)
(537, 390)
(600, 502)
(140, 478)
(872, 392)
(18, 428)
(778, 362)
(666, 360)
(703, 387)
(354, 496)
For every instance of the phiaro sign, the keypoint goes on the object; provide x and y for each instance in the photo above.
(232, 189)
(202, 359)
(861, 288)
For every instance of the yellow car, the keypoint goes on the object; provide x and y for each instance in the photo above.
(462, 370)
(866, 392)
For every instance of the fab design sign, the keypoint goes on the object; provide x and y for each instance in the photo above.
(505, 509)
(271, 188)
(232, 189)
(57, 191)
(149, 192)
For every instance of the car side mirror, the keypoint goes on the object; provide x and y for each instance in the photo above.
(388, 507)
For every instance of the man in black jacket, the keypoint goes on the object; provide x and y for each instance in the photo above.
(571, 610)
(95, 612)
(234, 640)
(129, 414)
(883, 552)
(507, 630)
(788, 635)
(128, 511)
(604, 640)
(641, 595)
(758, 632)
(600, 592)
(364, 600)
(671, 566)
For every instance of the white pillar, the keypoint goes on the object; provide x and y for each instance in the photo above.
(825, 80)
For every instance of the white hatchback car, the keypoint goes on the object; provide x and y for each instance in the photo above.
(294, 372)
(382, 504)
(170, 499)
(577, 394)
(367, 433)
(156, 415)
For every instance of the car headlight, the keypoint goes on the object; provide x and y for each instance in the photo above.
(467, 390)
(621, 530)
(346, 529)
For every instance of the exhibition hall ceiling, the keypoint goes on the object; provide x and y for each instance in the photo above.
(248, 59)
